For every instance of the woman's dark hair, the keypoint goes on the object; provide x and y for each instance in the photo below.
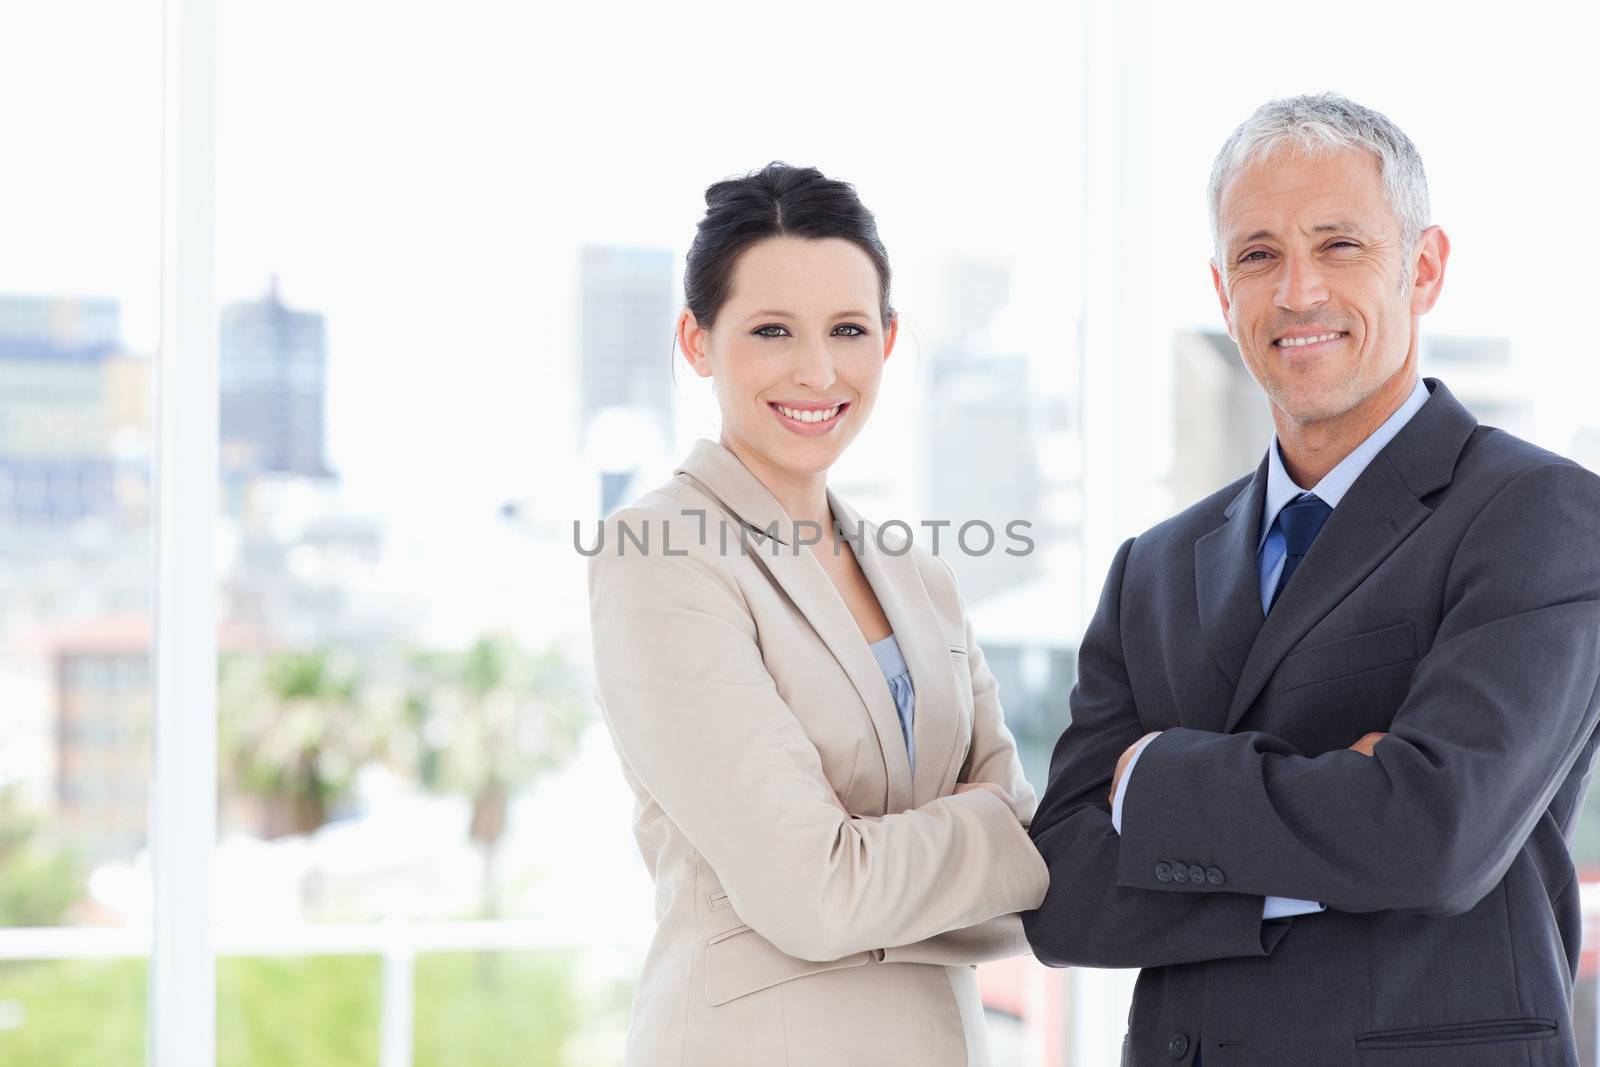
(777, 200)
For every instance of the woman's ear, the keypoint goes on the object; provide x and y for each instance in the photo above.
(891, 333)
(692, 340)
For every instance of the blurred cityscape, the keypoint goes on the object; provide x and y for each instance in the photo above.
(369, 772)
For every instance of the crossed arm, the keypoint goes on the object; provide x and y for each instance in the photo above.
(1427, 821)
(697, 718)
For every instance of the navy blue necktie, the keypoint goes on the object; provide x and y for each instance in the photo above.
(1300, 522)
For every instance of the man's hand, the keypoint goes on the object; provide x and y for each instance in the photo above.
(1367, 743)
(1122, 764)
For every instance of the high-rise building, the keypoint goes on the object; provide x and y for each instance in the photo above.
(1481, 372)
(273, 368)
(627, 315)
(55, 462)
(102, 726)
(1221, 423)
(987, 428)
(62, 321)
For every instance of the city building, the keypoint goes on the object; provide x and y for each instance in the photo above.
(1221, 423)
(273, 383)
(987, 431)
(56, 360)
(628, 308)
(1483, 375)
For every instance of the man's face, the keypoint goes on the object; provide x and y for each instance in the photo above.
(1314, 282)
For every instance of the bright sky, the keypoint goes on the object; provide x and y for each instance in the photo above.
(425, 174)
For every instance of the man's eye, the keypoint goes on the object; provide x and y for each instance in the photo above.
(1343, 244)
(1253, 257)
(848, 329)
(770, 331)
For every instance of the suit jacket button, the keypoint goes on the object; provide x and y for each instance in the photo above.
(1180, 872)
(1177, 1046)
(1163, 872)
(1214, 875)
(1197, 875)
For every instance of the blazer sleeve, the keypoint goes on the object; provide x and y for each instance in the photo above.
(698, 719)
(1088, 917)
(1498, 712)
(992, 758)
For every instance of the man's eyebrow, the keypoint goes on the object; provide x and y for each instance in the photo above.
(1337, 226)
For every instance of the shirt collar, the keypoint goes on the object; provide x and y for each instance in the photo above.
(1281, 488)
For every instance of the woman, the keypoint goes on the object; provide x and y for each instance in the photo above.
(828, 798)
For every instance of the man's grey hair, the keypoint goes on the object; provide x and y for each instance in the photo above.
(1321, 125)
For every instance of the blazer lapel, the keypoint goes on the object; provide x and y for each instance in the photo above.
(1227, 585)
(898, 586)
(1379, 512)
(803, 580)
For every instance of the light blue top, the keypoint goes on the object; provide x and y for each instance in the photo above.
(1281, 488)
(1270, 552)
(893, 666)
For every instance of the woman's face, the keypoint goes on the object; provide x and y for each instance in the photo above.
(796, 353)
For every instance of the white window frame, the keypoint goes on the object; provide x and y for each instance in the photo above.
(181, 1012)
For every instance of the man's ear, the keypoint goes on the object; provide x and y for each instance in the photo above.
(692, 340)
(1427, 274)
(1222, 299)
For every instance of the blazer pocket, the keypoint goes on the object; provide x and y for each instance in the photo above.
(1474, 1033)
(740, 962)
(1350, 656)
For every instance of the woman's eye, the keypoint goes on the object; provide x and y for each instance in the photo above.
(770, 331)
(848, 329)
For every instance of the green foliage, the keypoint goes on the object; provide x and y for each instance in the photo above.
(472, 1010)
(75, 1013)
(294, 727)
(486, 722)
(510, 1009)
(492, 717)
(319, 1011)
(39, 878)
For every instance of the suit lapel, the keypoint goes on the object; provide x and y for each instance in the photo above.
(797, 572)
(1381, 509)
(1227, 585)
(898, 586)
(1376, 515)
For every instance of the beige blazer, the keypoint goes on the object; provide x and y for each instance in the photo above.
(817, 904)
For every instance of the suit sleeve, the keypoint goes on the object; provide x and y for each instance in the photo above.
(1088, 917)
(992, 758)
(1497, 713)
(696, 716)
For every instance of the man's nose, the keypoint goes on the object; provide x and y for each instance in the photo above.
(1300, 284)
(813, 366)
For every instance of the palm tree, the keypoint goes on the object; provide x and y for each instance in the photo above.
(293, 731)
(487, 722)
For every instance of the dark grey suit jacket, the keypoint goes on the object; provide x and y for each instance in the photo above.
(1453, 601)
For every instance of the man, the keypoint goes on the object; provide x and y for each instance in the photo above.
(1333, 724)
